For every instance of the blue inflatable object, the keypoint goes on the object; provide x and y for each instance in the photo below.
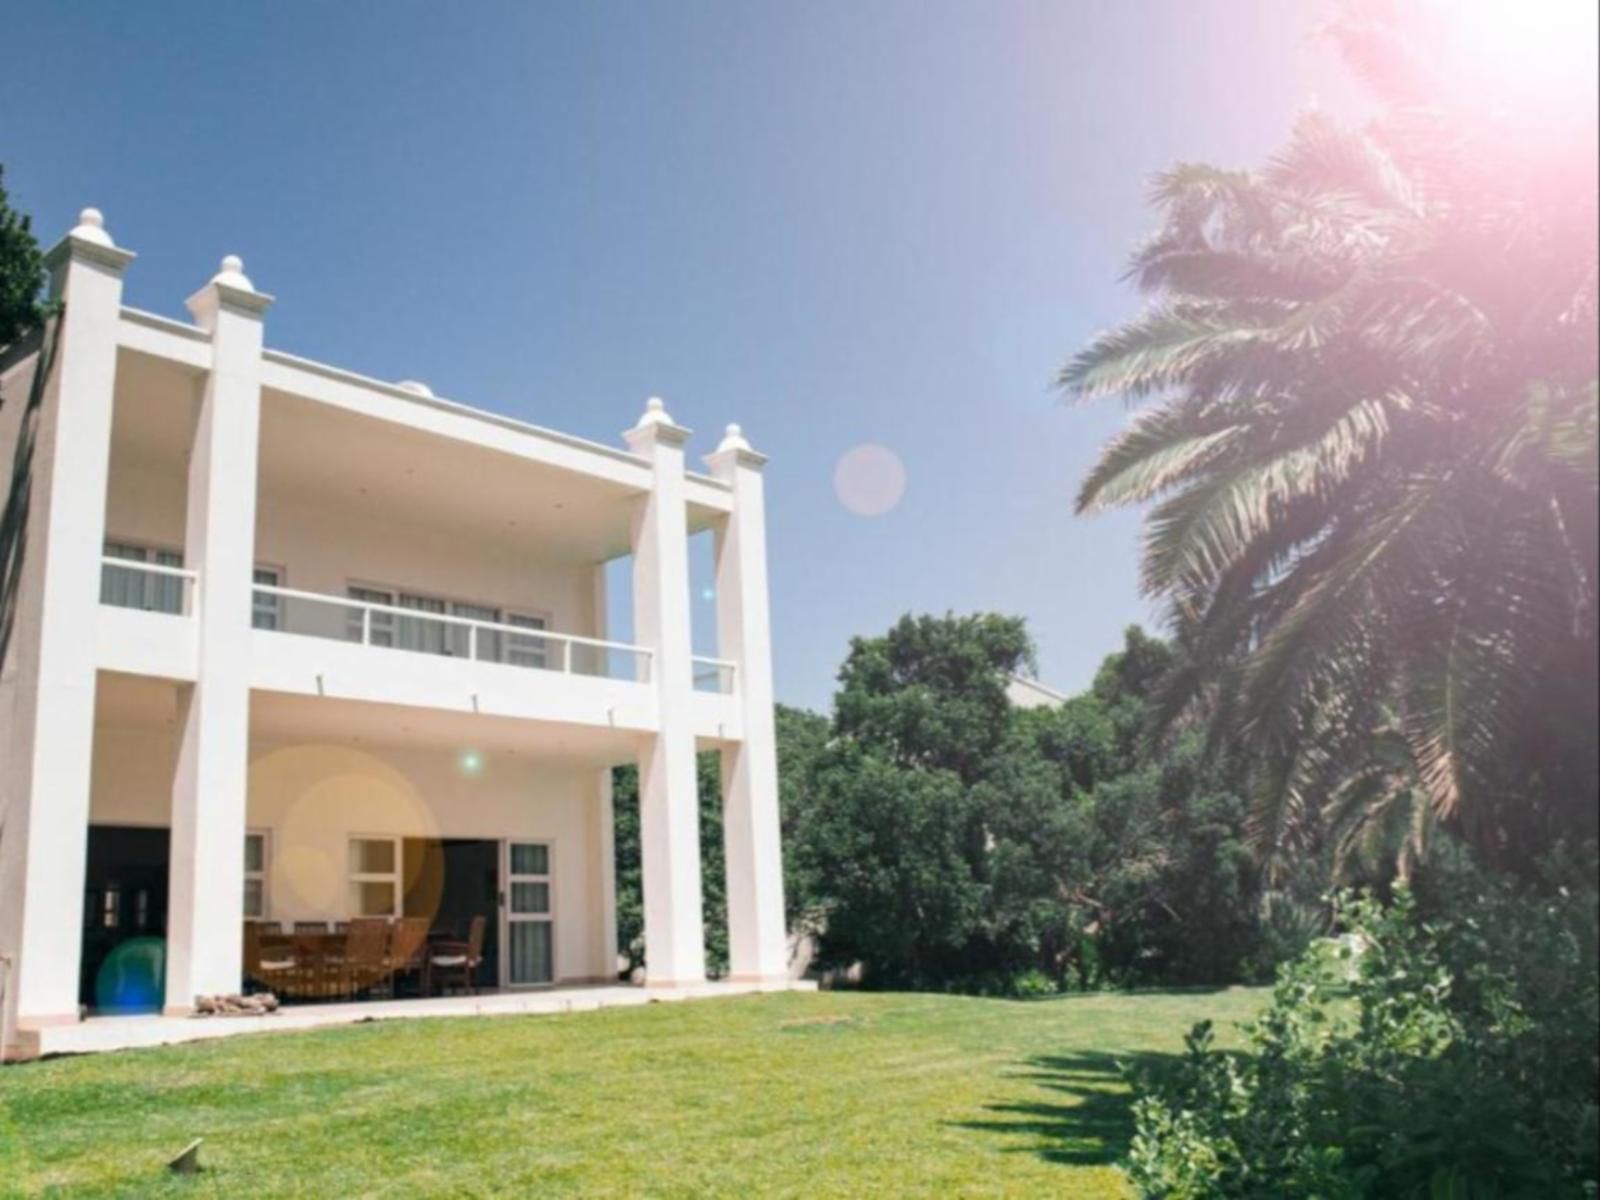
(133, 978)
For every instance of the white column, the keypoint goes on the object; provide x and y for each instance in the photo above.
(757, 934)
(46, 769)
(205, 907)
(605, 810)
(669, 810)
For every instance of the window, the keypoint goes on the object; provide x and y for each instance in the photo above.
(125, 587)
(419, 633)
(524, 651)
(380, 625)
(461, 636)
(266, 610)
(255, 875)
(427, 635)
(374, 877)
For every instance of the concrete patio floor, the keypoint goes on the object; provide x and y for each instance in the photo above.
(97, 1034)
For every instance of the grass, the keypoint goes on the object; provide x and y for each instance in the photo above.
(785, 1095)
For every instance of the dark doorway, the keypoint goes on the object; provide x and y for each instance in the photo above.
(125, 899)
(451, 881)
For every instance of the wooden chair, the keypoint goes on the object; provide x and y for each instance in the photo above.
(366, 954)
(408, 950)
(311, 927)
(267, 961)
(458, 961)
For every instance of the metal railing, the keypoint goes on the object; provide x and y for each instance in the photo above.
(148, 586)
(392, 626)
(713, 675)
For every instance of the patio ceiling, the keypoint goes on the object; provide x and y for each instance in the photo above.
(140, 702)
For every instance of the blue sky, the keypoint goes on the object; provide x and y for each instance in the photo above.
(835, 223)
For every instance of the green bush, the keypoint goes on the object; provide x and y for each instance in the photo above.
(1451, 1051)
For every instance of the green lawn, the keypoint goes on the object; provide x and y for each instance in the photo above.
(808, 1095)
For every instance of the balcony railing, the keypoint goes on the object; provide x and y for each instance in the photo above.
(713, 675)
(148, 586)
(390, 626)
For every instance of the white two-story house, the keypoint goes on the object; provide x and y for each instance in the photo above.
(287, 645)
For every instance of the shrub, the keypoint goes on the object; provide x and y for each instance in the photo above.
(1032, 985)
(1451, 1052)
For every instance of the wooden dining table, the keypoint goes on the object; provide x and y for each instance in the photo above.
(321, 969)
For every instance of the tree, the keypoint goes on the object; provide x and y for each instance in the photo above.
(955, 842)
(896, 839)
(1371, 452)
(21, 273)
(802, 738)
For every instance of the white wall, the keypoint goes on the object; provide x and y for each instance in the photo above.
(146, 503)
(312, 797)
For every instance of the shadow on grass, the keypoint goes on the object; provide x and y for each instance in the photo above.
(1087, 1117)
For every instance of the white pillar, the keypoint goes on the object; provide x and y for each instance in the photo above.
(205, 907)
(669, 809)
(605, 810)
(757, 933)
(51, 651)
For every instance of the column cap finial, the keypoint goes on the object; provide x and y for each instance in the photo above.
(229, 288)
(232, 274)
(91, 227)
(89, 240)
(734, 450)
(656, 425)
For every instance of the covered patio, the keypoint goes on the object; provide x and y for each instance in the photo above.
(391, 856)
(133, 1032)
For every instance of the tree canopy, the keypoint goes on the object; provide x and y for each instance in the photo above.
(1369, 444)
(21, 272)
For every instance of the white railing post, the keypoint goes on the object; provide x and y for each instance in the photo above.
(366, 625)
(472, 642)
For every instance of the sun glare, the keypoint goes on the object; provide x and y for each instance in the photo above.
(1524, 50)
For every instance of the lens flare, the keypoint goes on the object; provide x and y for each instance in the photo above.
(132, 979)
(869, 479)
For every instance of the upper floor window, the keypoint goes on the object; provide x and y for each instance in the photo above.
(526, 650)
(428, 635)
(266, 609)
(129, 587)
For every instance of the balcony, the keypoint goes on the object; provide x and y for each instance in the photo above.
(316, 644)
(146, 624)
(518, 642)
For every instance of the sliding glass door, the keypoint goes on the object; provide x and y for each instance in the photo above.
(529, 915)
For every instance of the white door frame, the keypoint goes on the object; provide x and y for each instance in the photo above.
(507, 917)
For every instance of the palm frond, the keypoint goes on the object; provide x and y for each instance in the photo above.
(1159, 451)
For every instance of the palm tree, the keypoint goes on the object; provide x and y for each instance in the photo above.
(1369, 446)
